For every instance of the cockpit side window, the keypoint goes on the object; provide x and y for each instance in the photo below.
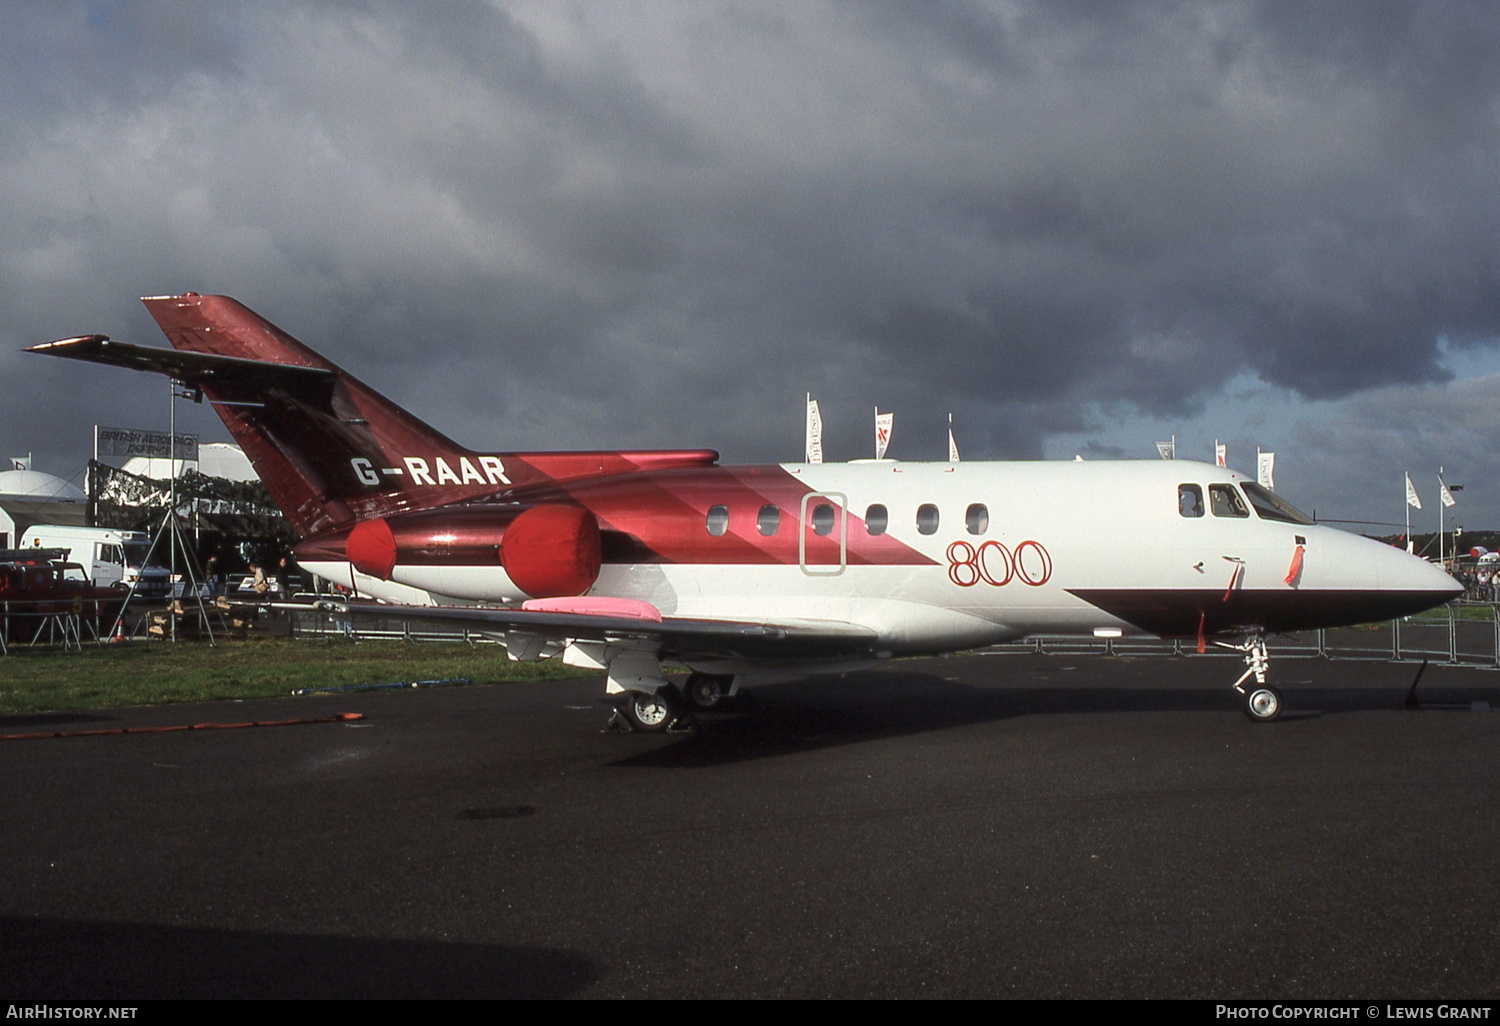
(1225, 501)
(1270, 506)
(1190, 500)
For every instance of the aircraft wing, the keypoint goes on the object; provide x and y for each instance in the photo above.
(670, 637)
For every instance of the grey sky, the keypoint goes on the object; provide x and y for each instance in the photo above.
(1080, 227)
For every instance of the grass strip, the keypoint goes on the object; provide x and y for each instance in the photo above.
(156, 672)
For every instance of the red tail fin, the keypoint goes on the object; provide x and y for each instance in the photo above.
(332, 450)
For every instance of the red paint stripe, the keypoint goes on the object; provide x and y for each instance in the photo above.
(666, 513)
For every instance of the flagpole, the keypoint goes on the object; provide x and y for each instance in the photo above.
(1440, 517)
(1409, 546)
(93, 509)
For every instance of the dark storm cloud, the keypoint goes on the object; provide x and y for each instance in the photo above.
(1403, 430)
(660, 224)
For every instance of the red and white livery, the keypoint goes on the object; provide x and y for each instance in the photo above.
(626, 560)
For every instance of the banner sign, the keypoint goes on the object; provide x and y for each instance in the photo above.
(884, 422)
(131, 442)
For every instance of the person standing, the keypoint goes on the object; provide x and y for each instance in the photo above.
(258, 579)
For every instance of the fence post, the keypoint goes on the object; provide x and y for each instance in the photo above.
(1396, 640)
(1452, 632)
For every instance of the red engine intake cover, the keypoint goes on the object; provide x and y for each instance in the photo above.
(551, 551)
(371, 547)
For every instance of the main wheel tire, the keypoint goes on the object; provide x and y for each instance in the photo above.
(650, 713)
(1262, 703)
(706, 691)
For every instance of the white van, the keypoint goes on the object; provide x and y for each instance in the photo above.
(108, 556)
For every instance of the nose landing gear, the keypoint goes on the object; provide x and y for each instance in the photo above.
(1260, 701)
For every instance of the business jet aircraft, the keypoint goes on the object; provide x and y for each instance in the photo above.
(623, 560)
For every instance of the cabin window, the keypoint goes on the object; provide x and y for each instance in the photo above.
(768, 520)
(927, 518)
(1225, 501)
(1190, 500)
(822, 519)
(1270, 506)
(977, 518)
(876, 519)
(718, 520)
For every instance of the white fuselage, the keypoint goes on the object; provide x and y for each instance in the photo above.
(993, 551)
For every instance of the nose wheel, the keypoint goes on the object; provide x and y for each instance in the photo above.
(1262, 703)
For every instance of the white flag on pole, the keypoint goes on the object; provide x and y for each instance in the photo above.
(1219, 455)
(814, 431)
(1445, 494)
(952, 445)
(1266, 471)
(884, 422)
(1168, 450)
(21, 462)
(1411, 494)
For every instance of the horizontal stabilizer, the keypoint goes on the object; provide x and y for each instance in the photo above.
(185, 366)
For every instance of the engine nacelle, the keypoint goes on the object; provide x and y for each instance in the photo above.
(483, 553)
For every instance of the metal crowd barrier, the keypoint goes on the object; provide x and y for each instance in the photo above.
(23, 624)
(314, 623)
(1462, 633)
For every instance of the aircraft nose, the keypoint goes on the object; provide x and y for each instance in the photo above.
(1413, 584)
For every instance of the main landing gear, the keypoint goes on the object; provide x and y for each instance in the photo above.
(652, 713)
(705, 691)
(1260, 701)
(671, 707)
